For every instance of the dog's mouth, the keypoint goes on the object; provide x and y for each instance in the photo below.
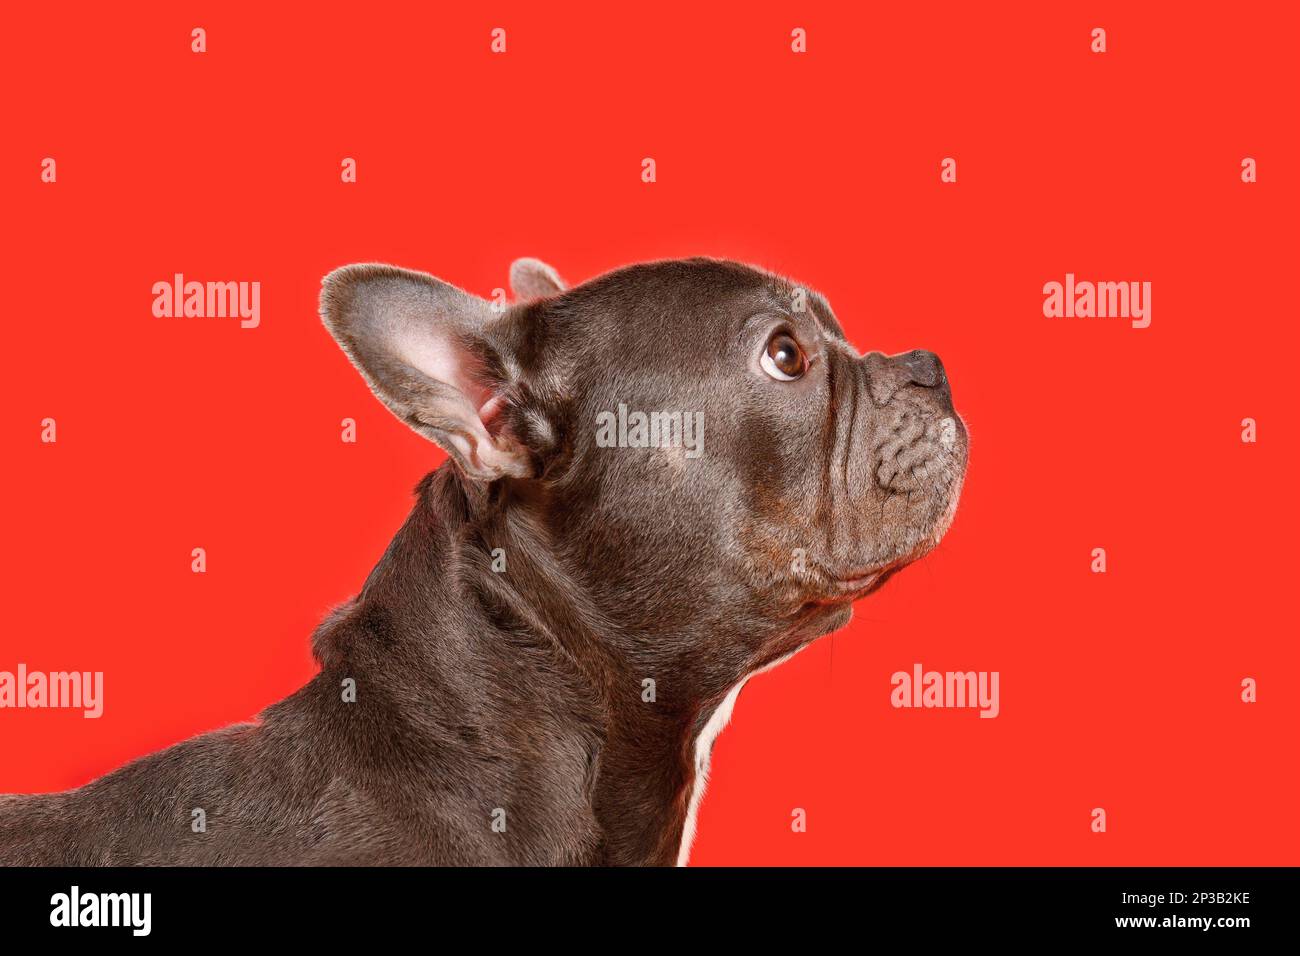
(844, 591)
(915, 445)
(859, 584)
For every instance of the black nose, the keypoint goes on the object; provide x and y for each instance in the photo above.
(922, 367)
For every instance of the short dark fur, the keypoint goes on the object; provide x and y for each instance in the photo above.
(522, 690)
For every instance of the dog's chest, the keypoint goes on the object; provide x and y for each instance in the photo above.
(719, 719)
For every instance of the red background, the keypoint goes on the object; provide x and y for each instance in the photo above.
(1119, 690)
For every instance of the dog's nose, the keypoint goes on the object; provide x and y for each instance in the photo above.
(889, 373)
(922, 367)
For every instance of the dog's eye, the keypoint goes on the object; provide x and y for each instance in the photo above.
(783, 359)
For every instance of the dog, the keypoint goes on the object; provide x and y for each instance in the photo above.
(536, 669)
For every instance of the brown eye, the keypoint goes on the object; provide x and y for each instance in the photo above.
(783, 359)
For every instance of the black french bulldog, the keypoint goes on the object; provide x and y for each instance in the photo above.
(535, 670)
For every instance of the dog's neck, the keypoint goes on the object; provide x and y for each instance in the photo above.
(525, 655)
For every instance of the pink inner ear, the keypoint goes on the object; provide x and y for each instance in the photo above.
(442, 358)
(490, 409)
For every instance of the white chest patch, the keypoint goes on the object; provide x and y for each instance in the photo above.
(720, 717)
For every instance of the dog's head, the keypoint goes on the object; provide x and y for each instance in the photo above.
(708, 455)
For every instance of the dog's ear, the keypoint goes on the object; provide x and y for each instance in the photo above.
(533, 279)
(426, 350)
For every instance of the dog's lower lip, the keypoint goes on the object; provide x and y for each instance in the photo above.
(843, 588)
(858, 581)
(863, 582)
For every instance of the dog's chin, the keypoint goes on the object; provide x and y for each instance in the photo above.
(947, 511)
(832, 609)
(914, 543)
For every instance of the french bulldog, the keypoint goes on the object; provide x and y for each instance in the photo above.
(659, 483)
